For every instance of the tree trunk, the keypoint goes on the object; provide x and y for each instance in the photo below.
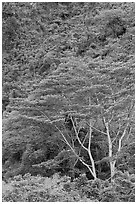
(89, 152)
(112, 168)
(112, 163)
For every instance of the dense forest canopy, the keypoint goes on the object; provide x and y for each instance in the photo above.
(68, 100)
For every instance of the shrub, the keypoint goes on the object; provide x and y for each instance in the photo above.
(39, 189)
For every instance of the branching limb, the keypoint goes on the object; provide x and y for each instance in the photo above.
(127, 125)
(104, 133)
(111, 118)
(89, 144)
(73, 150)
(121, 138)
(76, 133)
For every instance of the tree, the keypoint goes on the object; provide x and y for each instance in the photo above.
(96, 92)
(105, 94)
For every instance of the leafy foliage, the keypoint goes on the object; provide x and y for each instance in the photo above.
(75, 60)
(42, 189)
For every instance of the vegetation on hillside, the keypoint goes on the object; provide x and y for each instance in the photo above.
(68, 101)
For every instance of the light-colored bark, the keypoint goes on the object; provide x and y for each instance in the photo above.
(110, 146)
(93, 171)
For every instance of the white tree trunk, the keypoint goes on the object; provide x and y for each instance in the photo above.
(112, 163)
